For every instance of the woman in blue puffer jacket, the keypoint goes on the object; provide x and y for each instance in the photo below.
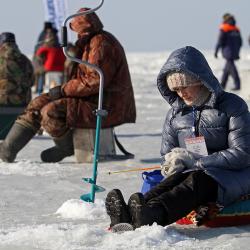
(205, 146)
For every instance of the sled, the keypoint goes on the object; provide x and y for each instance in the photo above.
(236, 214)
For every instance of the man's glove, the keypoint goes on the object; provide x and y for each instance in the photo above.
(56, 92)
(176, 161)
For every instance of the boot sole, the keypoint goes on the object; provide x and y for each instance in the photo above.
(122, 227)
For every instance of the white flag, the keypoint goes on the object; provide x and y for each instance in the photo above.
(49, 11)
(55, 12)
(60, 12)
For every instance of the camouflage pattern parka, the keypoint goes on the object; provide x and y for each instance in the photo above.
(16, 76)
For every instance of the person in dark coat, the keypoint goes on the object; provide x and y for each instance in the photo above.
(229, 42)
(205, 147)
(72, 105)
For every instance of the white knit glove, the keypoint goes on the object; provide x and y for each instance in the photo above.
(176, 161)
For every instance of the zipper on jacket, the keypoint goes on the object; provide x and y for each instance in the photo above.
(196, 121)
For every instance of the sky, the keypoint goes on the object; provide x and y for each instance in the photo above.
(140, 25)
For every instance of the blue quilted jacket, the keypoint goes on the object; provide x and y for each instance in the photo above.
(224, 121)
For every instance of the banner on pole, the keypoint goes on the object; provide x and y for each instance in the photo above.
(55, 12)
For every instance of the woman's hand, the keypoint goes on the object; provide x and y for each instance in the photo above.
(176, 161)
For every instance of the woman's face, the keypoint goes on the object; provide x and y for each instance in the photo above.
(189, 94)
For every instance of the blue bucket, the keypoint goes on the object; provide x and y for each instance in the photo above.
(150, 179)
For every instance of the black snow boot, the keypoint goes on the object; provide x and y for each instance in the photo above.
(145, 213)
(15, 140)
(116, 208)
(64, 147)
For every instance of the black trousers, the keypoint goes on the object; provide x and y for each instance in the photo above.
(181, 193)
(230, 69)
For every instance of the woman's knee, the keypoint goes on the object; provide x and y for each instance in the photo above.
(204, 185)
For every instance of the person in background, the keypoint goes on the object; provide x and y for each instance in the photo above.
(38, 62)
(72, 105)
(16, 73)
(229, 42)
(48, 27)
(53, 60)
(205, 147)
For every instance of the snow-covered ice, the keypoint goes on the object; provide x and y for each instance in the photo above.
(40, 206)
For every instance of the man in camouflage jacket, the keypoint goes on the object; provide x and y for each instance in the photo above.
(16, 73)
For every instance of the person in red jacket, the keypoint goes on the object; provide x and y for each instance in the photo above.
(53, 60)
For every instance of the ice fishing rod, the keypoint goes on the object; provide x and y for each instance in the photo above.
(90, 197)
(133, 169)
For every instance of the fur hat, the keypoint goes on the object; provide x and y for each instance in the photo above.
(229, 18)
(226, 17)
(86, 24)
(7, 37)
(180, 79)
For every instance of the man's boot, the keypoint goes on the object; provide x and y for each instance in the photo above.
(146, 213)
(64, 147)
(15, 140)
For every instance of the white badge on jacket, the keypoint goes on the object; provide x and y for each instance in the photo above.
(196, 145)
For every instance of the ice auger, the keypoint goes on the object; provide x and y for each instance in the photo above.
(90, 197)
